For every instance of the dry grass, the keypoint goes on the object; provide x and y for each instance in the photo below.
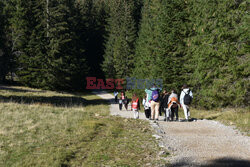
(35, 131)
(239, 118)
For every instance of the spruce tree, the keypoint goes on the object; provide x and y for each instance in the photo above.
(20, 33)
(218, 47)
(160, 48)
(119, 46)
(3, 56)
(47, 44)
(146, 42)
(93, 20)
(67, 66)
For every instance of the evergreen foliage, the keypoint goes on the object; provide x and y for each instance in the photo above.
(119, 47)
(160, 47)
(56, 44)
(4, 59)
(94, 21)
(66, 59)
(218, 51)
(20, 33)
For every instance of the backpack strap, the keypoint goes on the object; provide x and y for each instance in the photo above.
(188, 92)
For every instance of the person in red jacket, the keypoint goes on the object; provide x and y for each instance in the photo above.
(135, 106)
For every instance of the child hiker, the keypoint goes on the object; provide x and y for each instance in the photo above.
(135, 106)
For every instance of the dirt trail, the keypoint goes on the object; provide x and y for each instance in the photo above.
(201, 143)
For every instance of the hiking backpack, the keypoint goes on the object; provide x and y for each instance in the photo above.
(174, 102)
(187, 98)
(155, 95)
(135, 104)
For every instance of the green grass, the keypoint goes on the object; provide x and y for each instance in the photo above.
(45, 128)
(239, 118)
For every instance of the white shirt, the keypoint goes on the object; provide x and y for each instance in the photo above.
(145, 103)
(183, 92)
(115, 93)
(171, 96)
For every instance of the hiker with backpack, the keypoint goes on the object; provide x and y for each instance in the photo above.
(153, 94)
(135, 106)
(146, 105)
(186, 99)
(173, 106)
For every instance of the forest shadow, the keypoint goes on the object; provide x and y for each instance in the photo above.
(11, 89)
(220, 162)
(59, 101)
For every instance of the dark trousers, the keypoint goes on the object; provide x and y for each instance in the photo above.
(174, 111)
(120, 106)
(126, 106)
(115, 99)
(148, 113)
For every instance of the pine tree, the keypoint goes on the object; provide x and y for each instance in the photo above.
(160, 47)
(66, 66)
(20, 35)
(3, 55)
(94, 15)
(146, 42)
(119, 47)
(47, 44)
(218, 47)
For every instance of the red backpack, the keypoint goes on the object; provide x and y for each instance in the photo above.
(135, 104)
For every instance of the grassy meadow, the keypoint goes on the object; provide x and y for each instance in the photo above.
(46, 128)
(239, 118)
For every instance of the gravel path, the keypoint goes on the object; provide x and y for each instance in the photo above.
(200, 143)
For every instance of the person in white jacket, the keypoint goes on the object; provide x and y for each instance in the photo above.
(185, 90)
(146, 104)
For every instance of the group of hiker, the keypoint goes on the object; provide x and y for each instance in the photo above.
(123, 100)
(156, 103)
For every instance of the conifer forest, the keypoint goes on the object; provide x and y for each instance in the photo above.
(56, 44)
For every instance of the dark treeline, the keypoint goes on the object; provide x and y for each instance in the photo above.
(52, 44)
(55, 44)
